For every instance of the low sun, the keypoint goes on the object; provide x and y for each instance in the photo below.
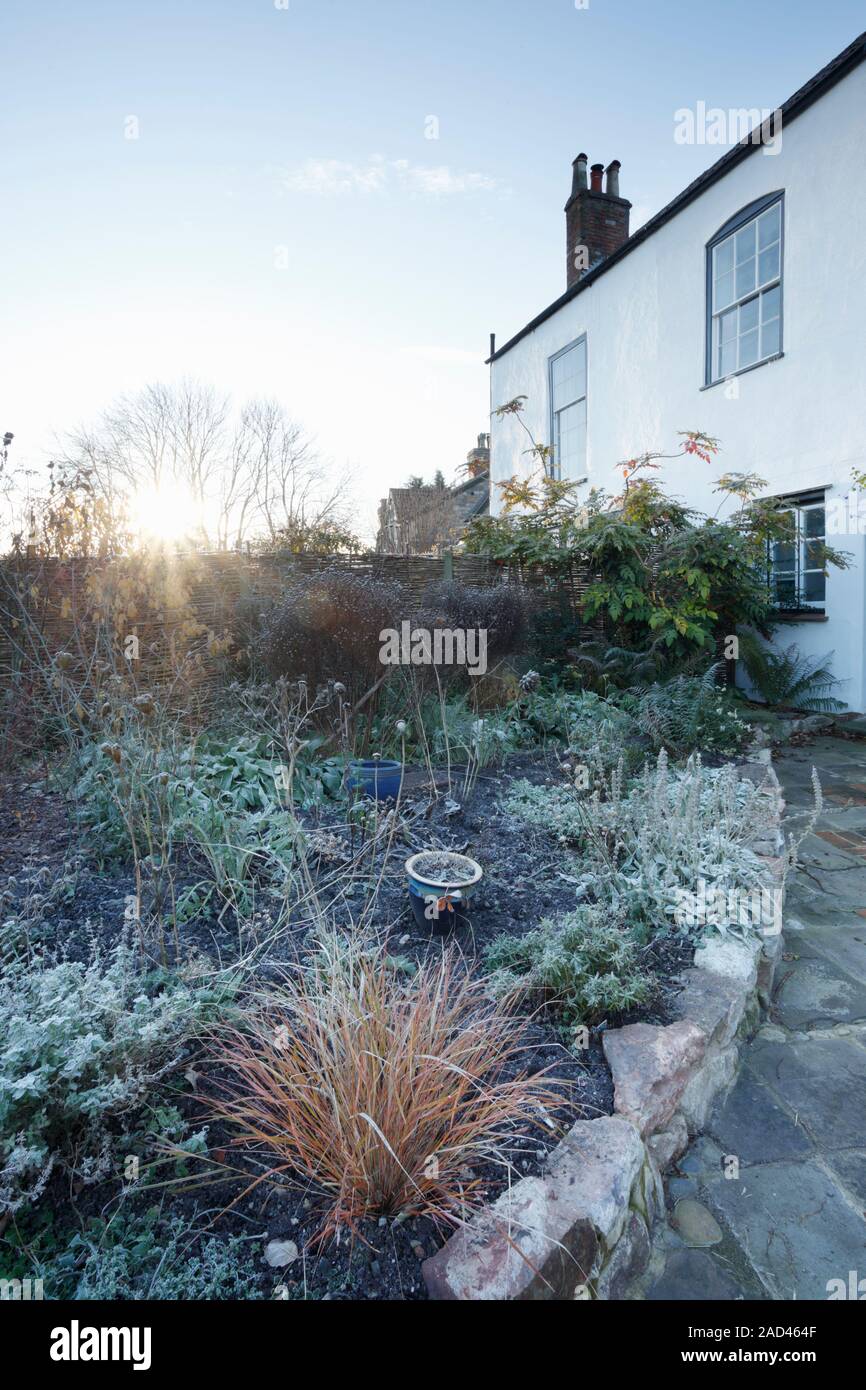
(168, 512)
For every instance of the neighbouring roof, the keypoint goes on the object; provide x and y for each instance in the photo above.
(409, 502)
(841, 65)
(472, 497)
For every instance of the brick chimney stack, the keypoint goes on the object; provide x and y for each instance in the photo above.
(596, 217)
(478, 459)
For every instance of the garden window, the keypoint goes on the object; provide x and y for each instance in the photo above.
(744, 291)
(797, 562)
(568, 412)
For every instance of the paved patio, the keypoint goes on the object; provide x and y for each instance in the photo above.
(793, 1215)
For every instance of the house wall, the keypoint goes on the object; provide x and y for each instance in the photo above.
(797, 421)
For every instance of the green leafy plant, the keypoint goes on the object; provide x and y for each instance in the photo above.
(584, 966)
(688, 714)
(788, 677)
(662, 578)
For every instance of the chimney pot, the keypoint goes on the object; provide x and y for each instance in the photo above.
(595, 176)
(578, 178)
(612, 185)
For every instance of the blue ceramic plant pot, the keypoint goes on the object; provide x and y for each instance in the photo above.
(440, 893)
(376, 777)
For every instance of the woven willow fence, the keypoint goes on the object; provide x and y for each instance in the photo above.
(43, 601)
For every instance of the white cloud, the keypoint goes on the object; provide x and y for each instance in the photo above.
(338, 177)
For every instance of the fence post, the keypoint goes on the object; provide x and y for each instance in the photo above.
(448, 566)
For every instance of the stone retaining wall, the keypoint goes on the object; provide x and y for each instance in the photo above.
(582, 1229)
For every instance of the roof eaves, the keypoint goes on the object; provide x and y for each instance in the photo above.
(839, 67)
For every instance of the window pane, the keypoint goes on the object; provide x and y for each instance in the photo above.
(728, 358)
(786, 590)
(813, 521)
(749, 315)
(813, 555)
(568, 376)
(741, 264)
(771, 302)
(745, 241)
(724, 290)
(724, 257)
(784, 555)
(768, 265)
(570, 455)
(770, 338)
(749, 348)
(745, 279)
(814, 587)
(769, 226)
(728, 325)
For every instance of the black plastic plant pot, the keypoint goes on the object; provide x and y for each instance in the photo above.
(441, 885)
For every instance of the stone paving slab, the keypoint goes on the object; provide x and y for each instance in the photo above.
(822, 1081)
(850, 1167)
(797, 1227)
(813, 993)
(842, 943)
(694, 1275)
(751, 1125)
(794, 1216)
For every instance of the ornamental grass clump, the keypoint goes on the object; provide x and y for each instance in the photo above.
(382, 1094)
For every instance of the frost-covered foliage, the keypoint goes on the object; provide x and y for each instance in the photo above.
(687, 714)
(684, 715)
(584, 965)
(674, 829)
(138, 1260)
(27, 902)
(81, 1048)
(595, 731)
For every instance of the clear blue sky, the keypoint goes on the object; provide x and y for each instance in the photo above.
(283, 226)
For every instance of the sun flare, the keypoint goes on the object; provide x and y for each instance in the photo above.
(167, 512)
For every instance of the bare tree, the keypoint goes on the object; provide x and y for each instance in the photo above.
(252, 475)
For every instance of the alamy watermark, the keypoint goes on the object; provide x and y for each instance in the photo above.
(740, 125)
(854, 1289)
(77, 1343)
(21, 1290)
(758, 909)
(438, 646)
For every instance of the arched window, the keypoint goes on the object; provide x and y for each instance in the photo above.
(744, 289)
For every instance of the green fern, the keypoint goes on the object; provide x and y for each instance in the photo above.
(788, 677)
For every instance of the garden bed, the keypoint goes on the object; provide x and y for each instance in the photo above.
(77, 904)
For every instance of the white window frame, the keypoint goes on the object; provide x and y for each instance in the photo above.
(555, 462)
(799, 506)
(749, 312)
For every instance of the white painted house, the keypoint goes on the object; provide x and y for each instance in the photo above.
(739, 310)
